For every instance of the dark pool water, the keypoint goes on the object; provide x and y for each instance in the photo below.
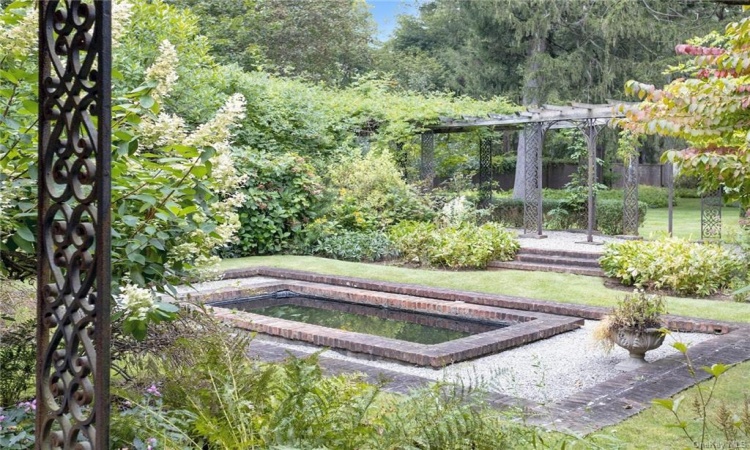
(391, 323)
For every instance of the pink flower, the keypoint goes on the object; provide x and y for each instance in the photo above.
(153, 390)
(28, 406)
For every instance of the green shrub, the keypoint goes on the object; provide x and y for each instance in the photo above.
(685, 267)
(17, 361)
(412, 239)
(364, 246)
(686, 192)
(462, 246)
(609, 216)
(468, 246)
(281, 195)
(371, 195)
(654, 196)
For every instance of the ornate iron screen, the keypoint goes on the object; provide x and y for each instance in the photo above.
(427, 161)
(485, 171)
(711, 215)
(74, 225)
(590, 129)
(630, 197)
(532, 203)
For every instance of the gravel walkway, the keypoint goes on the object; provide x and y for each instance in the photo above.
(543, 371)
(567, 241)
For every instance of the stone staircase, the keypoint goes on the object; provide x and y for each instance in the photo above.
(563, 261)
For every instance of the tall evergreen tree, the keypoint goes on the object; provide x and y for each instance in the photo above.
(541, 51)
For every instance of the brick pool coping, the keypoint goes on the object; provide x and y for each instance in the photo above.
(673, 322)
(587, 411)
(525, 327)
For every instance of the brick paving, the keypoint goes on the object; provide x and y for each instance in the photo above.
(591, 409)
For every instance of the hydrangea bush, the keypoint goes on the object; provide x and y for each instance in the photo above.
(174, 184)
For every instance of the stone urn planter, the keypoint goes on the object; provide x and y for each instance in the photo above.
(637, 343)
(635, 325)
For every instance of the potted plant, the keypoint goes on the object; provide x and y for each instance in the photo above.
(635, 325)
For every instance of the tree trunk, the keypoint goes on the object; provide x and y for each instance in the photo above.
(531, 96)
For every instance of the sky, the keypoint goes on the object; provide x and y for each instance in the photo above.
(385, 12)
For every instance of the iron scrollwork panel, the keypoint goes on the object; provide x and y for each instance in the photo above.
(485, 171)
(711, 203)
(74, 224)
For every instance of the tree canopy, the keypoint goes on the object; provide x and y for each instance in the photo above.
(706, 105)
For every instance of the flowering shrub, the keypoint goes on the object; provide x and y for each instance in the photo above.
(174, 184)
(17, 426)
(138, 307)
(685, 267)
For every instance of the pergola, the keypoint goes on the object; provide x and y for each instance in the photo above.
(534, 123)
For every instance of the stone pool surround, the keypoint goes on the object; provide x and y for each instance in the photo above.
(585, 412)
(525, 327)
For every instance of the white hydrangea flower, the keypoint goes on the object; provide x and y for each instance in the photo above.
(166, 129)
(122, 10)
(136, 302)
(163, 71)
(218, 130)
(455, 210)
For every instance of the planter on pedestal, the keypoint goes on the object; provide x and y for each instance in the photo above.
(637, 342)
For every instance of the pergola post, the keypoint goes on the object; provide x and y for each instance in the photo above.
(670, 205)
(711, 203)
(427, 160)
(591, 131)
(485, 171)
(533, 213)
(630, 197)
(73, 240)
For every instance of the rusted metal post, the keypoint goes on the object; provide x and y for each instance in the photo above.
(73, 241)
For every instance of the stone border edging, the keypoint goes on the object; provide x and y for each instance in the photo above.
(673, 322)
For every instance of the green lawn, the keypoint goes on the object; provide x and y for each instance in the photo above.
(559, 287)
(652, 428)
(687, 221)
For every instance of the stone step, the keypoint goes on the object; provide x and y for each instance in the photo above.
(520, 265)
(557, 260)
(565, 253)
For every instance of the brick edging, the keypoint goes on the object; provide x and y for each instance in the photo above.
(673, 322)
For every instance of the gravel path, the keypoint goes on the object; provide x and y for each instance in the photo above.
(565, 240)
(543, 371)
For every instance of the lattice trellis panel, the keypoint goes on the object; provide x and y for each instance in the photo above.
(485, 171)
(74, 225)
(427, 161)
(532, 204)
(711, 203)
(630, 197)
